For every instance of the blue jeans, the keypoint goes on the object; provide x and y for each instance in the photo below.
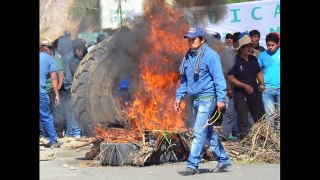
(72, 126)
(229, 119)
(42, 132)
(46, 117)
(203, 110)
(271, 102)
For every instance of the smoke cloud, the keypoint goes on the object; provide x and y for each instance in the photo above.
(131, 45)
(198, 10)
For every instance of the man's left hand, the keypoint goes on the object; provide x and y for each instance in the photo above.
(262, 88)
(220, 105)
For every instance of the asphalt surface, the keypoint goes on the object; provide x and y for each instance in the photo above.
(69, 164)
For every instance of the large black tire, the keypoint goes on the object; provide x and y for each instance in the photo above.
(94, 87)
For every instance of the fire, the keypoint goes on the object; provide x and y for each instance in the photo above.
(162, 51)
(117, 134)
(159, 81)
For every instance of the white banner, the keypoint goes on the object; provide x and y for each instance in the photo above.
(110, 11)
(263, 16)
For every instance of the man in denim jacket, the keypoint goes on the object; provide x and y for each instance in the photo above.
(202, 78)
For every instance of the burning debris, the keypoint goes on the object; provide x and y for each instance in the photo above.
(156, 147)
(148, 131)
(262, 145)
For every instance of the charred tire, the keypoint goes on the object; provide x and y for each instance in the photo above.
(118, 154)
(95, 84)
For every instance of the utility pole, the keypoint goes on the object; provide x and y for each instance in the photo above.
(100, 16)
(120, 11)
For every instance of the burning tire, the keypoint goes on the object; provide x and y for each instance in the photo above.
(94, 88)
(118, 154)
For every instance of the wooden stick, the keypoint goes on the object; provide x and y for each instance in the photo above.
(142, 130)
(255, 136)
(86, 143)
(265, 142)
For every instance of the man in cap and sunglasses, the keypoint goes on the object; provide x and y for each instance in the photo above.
(202, 78)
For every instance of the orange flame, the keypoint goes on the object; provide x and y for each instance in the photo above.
(154, 103)
(152, 108)
(117, 134)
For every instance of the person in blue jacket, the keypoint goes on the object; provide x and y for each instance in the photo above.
(202, 78)
(124, 93)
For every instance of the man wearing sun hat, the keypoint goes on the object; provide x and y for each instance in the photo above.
(202, 78)
(247, 92)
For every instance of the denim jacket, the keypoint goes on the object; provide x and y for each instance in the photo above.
(210, 81)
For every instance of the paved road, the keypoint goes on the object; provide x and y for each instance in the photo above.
(57, 170)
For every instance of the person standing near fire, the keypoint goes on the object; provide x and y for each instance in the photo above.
(202, 78)
(245, 76)
(48, 68)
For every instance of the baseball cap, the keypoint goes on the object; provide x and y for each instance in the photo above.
(216, 35)
(276, 33)
(195, 32)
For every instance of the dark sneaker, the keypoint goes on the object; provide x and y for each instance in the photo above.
(48, 145)
(221, 168)
(188, 171)
(242, 136)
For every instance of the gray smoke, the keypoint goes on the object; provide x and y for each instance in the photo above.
(134, 48)
(227, 57)
(198, 10)
(133, 45)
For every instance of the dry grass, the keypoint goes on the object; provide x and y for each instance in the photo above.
(262, 145)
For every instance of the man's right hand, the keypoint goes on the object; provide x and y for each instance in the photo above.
(57, 99)
(230, 93)
(177, 105)
(248, 89)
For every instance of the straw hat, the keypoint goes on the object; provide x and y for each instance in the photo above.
(46, 42)
(243, 40)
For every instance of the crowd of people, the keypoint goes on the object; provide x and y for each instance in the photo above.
(241, 55)
(59, 61)
(239, 75)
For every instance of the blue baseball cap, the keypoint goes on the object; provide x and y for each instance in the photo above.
(195, 32)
